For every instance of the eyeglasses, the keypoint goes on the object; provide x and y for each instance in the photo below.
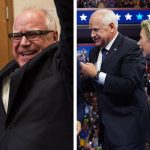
(30, 35)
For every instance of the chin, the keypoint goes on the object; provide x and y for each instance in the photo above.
(21, 64)
(98, 44)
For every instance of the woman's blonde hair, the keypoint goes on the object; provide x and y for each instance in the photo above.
(146, 26)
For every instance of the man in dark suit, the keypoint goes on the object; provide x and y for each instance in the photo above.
(36, 87)
(117, 76)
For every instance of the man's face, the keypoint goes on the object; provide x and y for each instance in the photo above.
(25, 49)
(101, 34)
(144, 43)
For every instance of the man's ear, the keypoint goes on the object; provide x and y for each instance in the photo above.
(55, 36)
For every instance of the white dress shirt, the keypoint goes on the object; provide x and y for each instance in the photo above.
(102, 75)
(5, 92)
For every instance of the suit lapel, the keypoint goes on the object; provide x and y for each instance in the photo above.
(3, 73)
(112, 52)
(15, 81)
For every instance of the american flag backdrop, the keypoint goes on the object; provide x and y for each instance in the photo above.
(123, 16)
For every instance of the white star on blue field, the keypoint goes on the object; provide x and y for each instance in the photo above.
(83, 17)
(139, 16)
(123, 16)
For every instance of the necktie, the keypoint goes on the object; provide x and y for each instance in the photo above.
(104, 53)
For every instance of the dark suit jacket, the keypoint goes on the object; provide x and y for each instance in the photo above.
(122, 99)
(40, 104)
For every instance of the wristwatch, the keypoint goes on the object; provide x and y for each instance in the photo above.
(97, 74)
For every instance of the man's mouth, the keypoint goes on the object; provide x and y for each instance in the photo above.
(96, 39)
(27, 53)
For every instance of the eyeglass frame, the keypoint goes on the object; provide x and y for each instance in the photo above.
(36, 33)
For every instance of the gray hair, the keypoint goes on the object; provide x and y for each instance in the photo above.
(50, 21)
(146, 26)
(108, 16)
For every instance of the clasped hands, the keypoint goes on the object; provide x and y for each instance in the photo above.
(88, 69)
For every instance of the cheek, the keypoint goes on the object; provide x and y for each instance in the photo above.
(100, 34)
(142, 43)
(106, 38)
(14, 51)
(42, 44)
(146, 46)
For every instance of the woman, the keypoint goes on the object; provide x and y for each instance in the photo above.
(144, 41)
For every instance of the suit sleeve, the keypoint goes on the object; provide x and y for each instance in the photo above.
(65, 14)
(131, 74)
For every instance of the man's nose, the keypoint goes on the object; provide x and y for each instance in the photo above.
(93, 34)
(24, 41)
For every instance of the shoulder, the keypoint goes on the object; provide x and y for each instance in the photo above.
(127, 41)
(130, 41)
(8, 68)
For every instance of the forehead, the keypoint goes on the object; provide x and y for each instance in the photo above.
(30, 19)
(95, 20)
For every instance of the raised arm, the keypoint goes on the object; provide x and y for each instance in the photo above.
(65, 14)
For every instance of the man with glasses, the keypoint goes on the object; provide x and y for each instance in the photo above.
(36, 87)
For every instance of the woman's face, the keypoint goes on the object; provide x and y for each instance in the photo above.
(144, 43)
